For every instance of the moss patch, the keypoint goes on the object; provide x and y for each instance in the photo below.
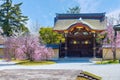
(108, 62)
(81, 78)
(90, 75)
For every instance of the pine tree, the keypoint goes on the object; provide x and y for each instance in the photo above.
(73, 10)
(11, 17)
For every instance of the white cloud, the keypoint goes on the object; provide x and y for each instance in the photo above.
(89, 5)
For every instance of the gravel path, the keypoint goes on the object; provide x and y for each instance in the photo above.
(29, 74)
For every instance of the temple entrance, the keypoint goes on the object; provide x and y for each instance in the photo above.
(80, 42)
(80, 32)
(80, 47)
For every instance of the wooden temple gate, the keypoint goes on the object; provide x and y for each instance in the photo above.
(80, 32)
(80, 42)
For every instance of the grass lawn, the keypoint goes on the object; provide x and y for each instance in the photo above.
(33, 63)
(108, 62)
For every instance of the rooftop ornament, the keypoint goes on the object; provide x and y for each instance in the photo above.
(80, 18)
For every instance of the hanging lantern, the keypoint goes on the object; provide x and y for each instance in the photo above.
(86, 42)
(74, 42)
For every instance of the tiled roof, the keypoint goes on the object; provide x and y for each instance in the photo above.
(99, 16)
(95, 21)
(93, 24)
(117, 27)
(2, 46)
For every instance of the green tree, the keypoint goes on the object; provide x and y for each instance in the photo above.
(11, 18)
(74, 10)
(49, 36)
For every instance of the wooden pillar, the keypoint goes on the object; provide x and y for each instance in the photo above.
(94, 45)
(60, 48)
(66, 33)
(114, 52)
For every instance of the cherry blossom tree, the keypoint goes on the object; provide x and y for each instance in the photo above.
(109, 40)
(26, 47)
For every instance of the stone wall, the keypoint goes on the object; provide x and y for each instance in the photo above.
(1, 52)
(56, 55)
(107, 53)
(55, 47)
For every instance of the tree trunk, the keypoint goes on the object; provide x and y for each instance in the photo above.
(114, 54)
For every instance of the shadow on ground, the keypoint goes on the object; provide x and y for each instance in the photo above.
(7, 64)
(72, 60)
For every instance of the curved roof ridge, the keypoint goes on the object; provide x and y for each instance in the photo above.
(82, 22)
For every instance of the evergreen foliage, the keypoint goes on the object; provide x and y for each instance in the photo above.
(74, 10)
(11, 18)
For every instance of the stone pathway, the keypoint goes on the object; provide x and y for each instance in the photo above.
(38, 74)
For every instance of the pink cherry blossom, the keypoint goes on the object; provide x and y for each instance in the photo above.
(27, 47)
(111, 41)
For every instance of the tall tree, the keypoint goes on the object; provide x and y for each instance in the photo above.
(74, 10)
(11, 17)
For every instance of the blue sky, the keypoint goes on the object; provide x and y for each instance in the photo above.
(44, 11)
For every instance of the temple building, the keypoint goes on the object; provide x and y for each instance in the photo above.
(80, 32)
